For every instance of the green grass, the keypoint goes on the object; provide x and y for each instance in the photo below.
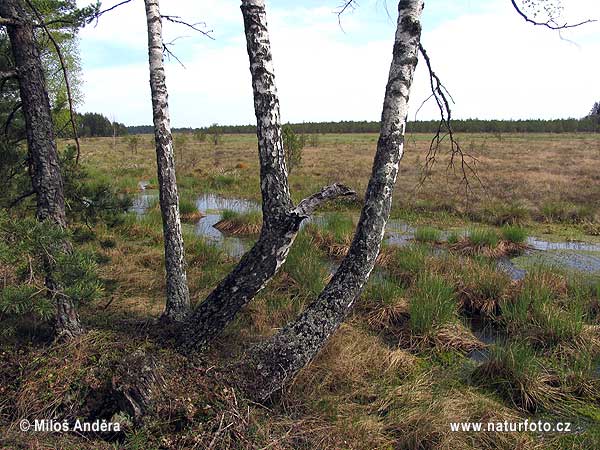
(542, 314)
(222, 181)
(433, 303)
(564, 212)
(339, 226)
(517, 312)
(484, 237)
(202, 251)
(513, 371)
(427, 234)
(407, 262)
(306, 265)
(245, 218)
(514, 234)
(482, 281)
(383, 290)
(499, 213)
(453, 237)
(187, 206)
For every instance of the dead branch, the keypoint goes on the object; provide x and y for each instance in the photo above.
(344, 7)
(194, 26)
(445, 131)
(10, 118)
(104, 11)
(170, 54)
(550, 23)
(20, 198)
(308, 206)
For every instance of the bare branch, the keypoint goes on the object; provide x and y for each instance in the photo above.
(104, 11)
(65, 75)
(20, 198)
(443, 98)
(307, 206)
(194, 26)
(550, 23)
(344, 7)
(170, 54)
(10, 118)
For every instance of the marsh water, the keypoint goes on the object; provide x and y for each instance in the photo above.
(580, 256)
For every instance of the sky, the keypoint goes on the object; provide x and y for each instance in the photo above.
(494, 64)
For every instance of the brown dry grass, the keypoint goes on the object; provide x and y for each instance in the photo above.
(192, 217)
(234, 227)
(534, 169)
(419, 417)
(503, 249)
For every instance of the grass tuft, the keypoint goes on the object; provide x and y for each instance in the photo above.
(233, 222)
(432, 304)
(514, 234)
(514, 372)
(427, 234)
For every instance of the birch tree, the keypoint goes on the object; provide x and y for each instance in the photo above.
(281, 218)
(270, 364)
(178, 297)
(46, 178)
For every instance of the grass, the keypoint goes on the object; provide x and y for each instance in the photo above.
(514, 372)
(483, 237)
(369, 387)
(500, 213)
(514, 234)
(405, 263)
(246, 223)
(382, 290)
(565, 212)
(453, 237)
(332, 233)
(306, 266)
(481, 286)
(432, 304)
(427, 234)
(188, 210)
(547, 312)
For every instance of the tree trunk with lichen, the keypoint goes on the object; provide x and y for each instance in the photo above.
(269, 365)
(178, 296)
(281, 219)
(44, 169)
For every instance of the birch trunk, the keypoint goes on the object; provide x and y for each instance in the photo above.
(46, 178)
(281, 220)
(178, 297)
(269, 365)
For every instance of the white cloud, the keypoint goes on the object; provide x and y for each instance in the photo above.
(495, 65)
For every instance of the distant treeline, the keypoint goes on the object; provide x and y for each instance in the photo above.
(589, 124)
(97, 125)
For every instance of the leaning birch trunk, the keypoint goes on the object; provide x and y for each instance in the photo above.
(46, 178)
(281, 220)
(178, 296)
(269, 365)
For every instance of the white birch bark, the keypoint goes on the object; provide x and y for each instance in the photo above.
(178, 297)
(281, 221)
(268, 366)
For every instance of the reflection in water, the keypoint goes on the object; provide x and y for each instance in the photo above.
(566, 254)
(539, 244)
(212, 206)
